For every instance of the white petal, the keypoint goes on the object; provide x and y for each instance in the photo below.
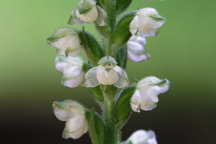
(102, 16)
(106, 77)
(60, 63)
(146, 22)
(73, 82)
(72, 72)
(136, 49)
(143, 137)
(74, 53)
(70, 41)
(74, 61)
(148, 89)
(136, 101)
(74, 127)
(135, 107)
(137, 58)
(123, 78)
(134, 25)
(66, 109)
(65, 39)
(61, 114)
(90, 78)
(90, 16)
(74, 20)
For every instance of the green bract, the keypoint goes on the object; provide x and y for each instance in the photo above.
(123, 36)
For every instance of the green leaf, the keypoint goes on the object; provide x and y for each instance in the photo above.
(121, 56)
(91, 46)
(101, 2)
(122, 108)
(97, 129)
(122, 5)
(122, 32)
(103, 30)
(98, 93)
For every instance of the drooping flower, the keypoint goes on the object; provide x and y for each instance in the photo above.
(87, 11)
(72, 69)
(74, 114)
(146, 22)
(67, 41)
(146, 94)
(136, 48)
(142, 137)
(106, 73)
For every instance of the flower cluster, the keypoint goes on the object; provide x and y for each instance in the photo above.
(145, 24)
(104, 70)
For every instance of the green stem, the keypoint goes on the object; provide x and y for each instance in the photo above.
(109, 93)
(107, 45)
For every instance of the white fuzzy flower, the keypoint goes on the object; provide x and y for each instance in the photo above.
(74, 114)
(106, 73)
(146, 94)
(136, 49)
(72, 69)
(146, 21)
(88, 11)
(67, 41)
(142, 137)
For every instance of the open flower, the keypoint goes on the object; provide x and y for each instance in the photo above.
(106, 73)
(74, 114)
(146, 94)
(146, 21)
(87, 11)
(136, 49)
(142, 137)
(72, 69)
(67, 41)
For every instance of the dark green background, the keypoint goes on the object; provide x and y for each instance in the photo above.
(184, 53)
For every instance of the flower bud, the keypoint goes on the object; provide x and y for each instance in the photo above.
(87, 10)
(74, 114)
(67, 42)
(146, 21)
(142, 137)
(136, 49)
(106, 73)
(146, 94)
(72, 68)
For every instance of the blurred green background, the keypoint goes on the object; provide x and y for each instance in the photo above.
(184, 53)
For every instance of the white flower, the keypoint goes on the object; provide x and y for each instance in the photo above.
(136, 49)
(142, 137)
(146, 21)
(106, 73)
(88, 11)
(67, 41)
(72, 69)
(146, 94)
(74, 114)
